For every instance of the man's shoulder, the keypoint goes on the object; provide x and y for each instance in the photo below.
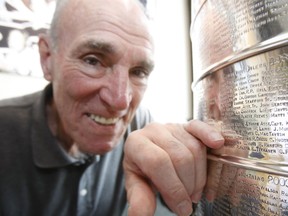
(20, 101)
(14, 110)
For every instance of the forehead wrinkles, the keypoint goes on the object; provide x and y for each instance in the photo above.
(126, 19)
(132, 34)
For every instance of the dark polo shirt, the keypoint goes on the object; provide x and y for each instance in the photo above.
(37, 177)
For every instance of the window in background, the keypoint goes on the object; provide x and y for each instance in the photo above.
(169, 93)
(20, 23)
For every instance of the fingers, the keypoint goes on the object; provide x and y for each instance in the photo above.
(212, 138)
(206, 133)
(191, 172)
(140, 196)
(200, 163)
(172, 158)
(152, 162)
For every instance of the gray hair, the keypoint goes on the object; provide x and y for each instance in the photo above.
(53, 31)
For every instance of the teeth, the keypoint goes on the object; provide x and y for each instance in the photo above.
(102, 120)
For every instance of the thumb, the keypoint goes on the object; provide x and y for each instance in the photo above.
(141, 198)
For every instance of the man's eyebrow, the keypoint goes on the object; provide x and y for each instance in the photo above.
(148, 64)
(106, 48)
(93, 45)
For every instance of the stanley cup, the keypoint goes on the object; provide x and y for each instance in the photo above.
(240, 70)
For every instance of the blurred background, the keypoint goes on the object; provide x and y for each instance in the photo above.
(169, 95)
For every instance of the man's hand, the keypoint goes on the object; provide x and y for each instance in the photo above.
(170, 159)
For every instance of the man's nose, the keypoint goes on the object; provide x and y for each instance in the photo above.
(118, 93)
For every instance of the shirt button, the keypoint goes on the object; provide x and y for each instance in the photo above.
(97, 158)
(83, 192)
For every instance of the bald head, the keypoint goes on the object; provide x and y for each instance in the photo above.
(70, 12)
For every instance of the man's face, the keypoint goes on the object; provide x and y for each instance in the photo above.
(99, 71)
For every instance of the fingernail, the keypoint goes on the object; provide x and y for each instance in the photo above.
(217, 139)
(216, 136)
(185, 208)
(196, 197)
(210, 195)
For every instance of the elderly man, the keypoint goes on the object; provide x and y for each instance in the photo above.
(62, 149)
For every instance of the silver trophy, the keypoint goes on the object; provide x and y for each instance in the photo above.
(240, 70)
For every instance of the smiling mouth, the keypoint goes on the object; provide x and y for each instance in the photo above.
(103, 120)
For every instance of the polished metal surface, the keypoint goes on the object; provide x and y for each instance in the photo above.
(226, 31)
(240, 69)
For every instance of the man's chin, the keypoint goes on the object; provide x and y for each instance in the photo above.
(98, 149)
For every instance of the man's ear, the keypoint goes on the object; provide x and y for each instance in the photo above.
(45, 50)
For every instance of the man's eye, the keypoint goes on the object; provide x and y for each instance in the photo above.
(141, 73)
(91, 60)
